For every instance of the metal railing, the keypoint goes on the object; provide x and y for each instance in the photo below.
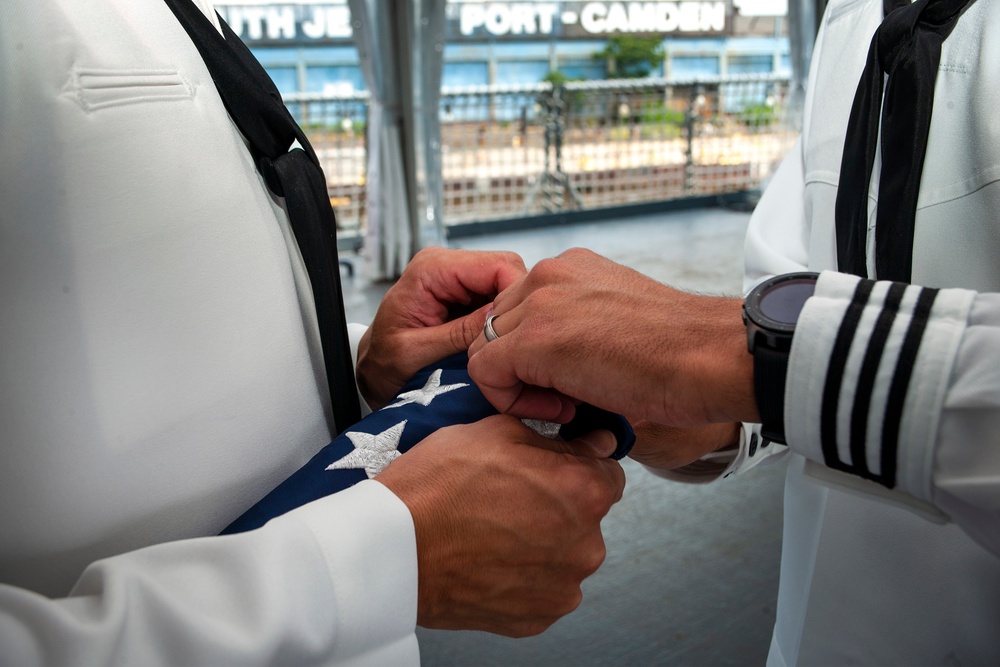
(514, 151)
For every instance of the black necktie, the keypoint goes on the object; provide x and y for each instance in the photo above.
(255, 105)
(906, 47)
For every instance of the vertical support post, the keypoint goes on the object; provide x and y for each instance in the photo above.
(424, 115)
(560, 125)
(690, 125)
(804, 17)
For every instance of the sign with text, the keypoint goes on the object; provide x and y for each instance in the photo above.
(474, 20)
(583, 19)
(289, 22)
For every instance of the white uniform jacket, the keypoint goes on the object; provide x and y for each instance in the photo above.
(909, 576)
(160, 372)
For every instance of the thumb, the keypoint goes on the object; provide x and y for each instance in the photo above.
(461, 332)
(598, 444)
(444, 340)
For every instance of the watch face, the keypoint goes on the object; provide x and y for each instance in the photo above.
(783, 301)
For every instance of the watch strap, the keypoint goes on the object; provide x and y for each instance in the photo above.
(769, 370)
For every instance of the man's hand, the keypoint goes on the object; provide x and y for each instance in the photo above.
(434, 310)
(582, 327)
(507, 523)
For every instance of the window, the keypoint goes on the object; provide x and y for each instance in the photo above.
(284, 78)
(757, 64)
(582, 69)
(465, 74)
(334, 79)
(522, 71)
(687, 68)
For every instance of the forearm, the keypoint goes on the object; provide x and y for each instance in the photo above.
(776, 242)
(721, 364)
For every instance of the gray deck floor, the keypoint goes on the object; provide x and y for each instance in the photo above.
(692, 571)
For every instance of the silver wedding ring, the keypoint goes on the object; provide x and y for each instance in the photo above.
(488, 330)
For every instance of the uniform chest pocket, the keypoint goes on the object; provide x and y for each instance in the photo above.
(101, 88)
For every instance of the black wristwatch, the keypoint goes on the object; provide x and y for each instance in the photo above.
(770, 313)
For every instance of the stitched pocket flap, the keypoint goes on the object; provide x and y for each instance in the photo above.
(96, 89)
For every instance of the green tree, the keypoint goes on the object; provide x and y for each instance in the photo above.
(574, 100)
(631, 56)
(557, 78)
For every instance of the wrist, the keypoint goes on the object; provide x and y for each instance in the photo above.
(369, 374)
(727, 366)
(729, 439)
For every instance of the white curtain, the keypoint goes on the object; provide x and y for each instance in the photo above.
(400, 47)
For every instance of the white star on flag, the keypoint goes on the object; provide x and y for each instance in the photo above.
(426, 394)
(373, 452)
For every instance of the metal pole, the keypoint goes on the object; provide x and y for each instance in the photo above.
(689, 127)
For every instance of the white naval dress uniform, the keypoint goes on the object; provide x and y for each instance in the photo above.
(909, 576)
(160, 371)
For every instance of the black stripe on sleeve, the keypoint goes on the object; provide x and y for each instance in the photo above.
(900, 384)
(835, 374)
(866, 379)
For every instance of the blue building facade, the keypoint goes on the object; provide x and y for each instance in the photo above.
(307, 46)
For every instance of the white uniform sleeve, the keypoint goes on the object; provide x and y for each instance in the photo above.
(899, 385)
(933, 439)
(332, 582)
(354, 334)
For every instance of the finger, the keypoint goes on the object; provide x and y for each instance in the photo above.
(547, 273)
(480, 336)
(459, 275)
(480, 339)
(543, 403)
(511, 321)
(512, 295)
(599, 444)
(599, 485)
(513, 429)
(594, 473)
(528, 402)
(509, 273)
(469, 328)
(493, 366)
(493, 373)
(438, 280)
(452, 337)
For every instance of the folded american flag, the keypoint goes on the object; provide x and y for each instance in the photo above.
(439, 395)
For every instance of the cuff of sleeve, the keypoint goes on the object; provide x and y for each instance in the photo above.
(867, 375)
(367, 537)
(751, 450)
(354, 334)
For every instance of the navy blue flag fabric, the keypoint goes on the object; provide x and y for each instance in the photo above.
(439, 395)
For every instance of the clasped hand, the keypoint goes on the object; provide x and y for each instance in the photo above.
(507, 522)
(580, 327)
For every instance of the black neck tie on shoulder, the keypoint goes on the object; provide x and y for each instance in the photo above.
(254, 104)
(907, 48)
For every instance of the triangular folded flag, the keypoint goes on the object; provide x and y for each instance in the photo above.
(439, 395)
